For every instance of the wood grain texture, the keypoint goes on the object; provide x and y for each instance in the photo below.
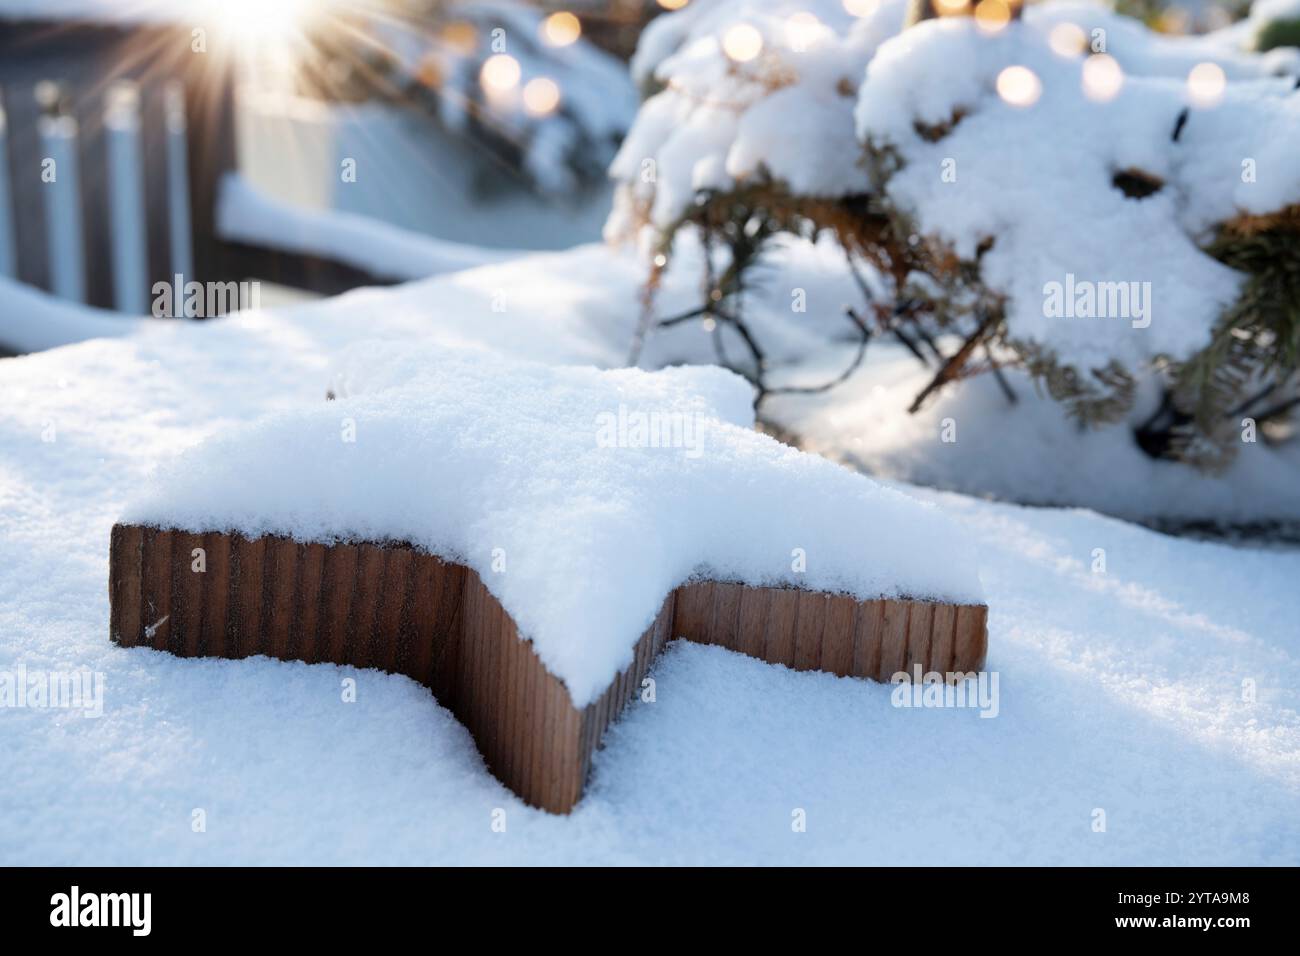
(394, 607)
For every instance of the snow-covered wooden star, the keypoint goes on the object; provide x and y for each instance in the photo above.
(524, 540)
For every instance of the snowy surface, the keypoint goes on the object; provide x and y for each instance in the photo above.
(581, 497)
(31, 320)
(246, 214)
(1120, 691)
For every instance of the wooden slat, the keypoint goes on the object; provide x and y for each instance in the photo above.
(971, 640)
(124, 596)
(920, 620)
(943, 632)
(694, 616)
(725, 630)
(218, 638)
(393, 646)
(25, 155)
(153, 151)
(893, 640)
(248, 558)
(92, 168)
(340, 577)
(365, 609)
(279, 596)
(810, 627)
(868, 628)
(837, 635)
(156, 586)
(185, 627)
(753, 614)
(782, 625)
(304, 638)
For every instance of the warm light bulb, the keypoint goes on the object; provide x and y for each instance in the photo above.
(1067, 39)
(500, 73)
(801, 30)
(742, 42)
(1206, 83)
(541, 96)
(1102, 77)
(561, 29)
(1019, 86)
(673, 4)
(992, 15)
(951, 8)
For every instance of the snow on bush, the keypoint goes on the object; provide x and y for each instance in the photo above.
(1113, 209)
(581, 497)
(750, 90)
(1033, 195)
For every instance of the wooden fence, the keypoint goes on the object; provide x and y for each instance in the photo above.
(113, 143)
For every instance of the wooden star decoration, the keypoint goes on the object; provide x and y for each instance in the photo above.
(397, 608)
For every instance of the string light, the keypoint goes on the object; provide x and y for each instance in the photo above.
(541, 96)
(460, 36)
(742, 42)
(861, 8)
(992, 15)
(561, 29)
(951, 8)
(500, 73)
(1206, 83)
(1067, 39)
(1102, 77)
(673, 4)
(802, 29)
(1019, 86)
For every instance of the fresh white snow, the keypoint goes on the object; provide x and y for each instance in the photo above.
(31, 320)
(1123, 690)
(581, 497)
(1040, 186)
(247, 214)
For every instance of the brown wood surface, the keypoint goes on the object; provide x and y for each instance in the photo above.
(394, 607)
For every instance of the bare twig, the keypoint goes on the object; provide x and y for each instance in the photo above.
(952, 368)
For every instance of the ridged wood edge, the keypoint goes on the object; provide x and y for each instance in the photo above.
(400, 609)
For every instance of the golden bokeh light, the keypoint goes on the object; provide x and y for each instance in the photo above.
(742, 42)
(802, 29)
(1019, 86)
(541, 96)
(1067, 39)
(1206, 84)
(1102, 77)
(459, 36)
(992, 15)
(500, 73)
(561, 29)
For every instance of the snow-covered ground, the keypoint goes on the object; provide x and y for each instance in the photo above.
(1161, 690)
